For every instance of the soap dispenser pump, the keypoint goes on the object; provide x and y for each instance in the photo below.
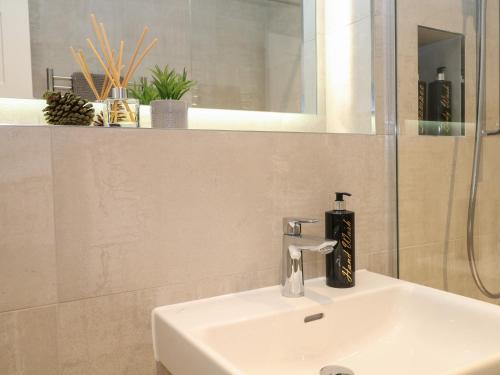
(339, 226)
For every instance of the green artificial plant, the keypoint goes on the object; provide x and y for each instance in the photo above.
(166, 84)
(170, 84)
(143, 91)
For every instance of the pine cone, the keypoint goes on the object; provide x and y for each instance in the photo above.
(67, 109)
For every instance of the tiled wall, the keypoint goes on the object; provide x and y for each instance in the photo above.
(101, 225)
(434, 181)
(435, 172)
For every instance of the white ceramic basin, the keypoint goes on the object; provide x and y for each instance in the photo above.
(381, 326)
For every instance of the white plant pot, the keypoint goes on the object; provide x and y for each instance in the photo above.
(172, 114)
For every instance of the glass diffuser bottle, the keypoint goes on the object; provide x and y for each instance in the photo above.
(122, 111)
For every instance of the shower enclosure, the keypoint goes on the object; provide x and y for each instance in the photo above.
(448, 95)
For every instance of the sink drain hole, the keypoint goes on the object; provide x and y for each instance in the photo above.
(312, 318)
(335, 370)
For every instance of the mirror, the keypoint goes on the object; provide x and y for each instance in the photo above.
(247, 55)
(441, 83)
(291, 65)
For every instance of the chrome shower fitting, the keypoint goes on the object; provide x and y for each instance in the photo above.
(480, 132)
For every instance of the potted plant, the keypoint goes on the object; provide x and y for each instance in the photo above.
(144, 91)
(167, 108)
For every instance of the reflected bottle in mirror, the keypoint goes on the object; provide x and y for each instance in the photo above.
(440, 101)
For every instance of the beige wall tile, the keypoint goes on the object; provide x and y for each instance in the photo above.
(112, 334)
(218, 285)
(27, 254)
(152, 207)
(28, 342)
(460, 278)
(362, 261)
(434, 174)
(433, 190)
(107, 335)
(161, 370)
(383, 262)
(8, 350)
(72, 332)
(366, 171)
(445, 266)
(424, 264)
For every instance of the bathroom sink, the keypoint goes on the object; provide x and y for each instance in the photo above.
(381, 326)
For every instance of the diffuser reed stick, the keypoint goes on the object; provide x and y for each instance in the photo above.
(112, 64)
(80, 60)
(114, 67)
(103, 65)
(153, 43)
(136, 51)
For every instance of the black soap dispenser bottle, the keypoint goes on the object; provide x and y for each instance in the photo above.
(339, 226)
(440, 97)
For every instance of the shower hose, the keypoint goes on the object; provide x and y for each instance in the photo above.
(480, 133)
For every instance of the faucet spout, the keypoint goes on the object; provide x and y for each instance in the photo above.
(325, 247)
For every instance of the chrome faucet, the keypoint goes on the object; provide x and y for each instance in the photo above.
(294, 243)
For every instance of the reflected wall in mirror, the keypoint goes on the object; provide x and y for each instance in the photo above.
(243, 54)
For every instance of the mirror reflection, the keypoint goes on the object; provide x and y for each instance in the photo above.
(243, 54)
(267, 65)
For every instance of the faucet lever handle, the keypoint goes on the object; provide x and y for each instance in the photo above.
(292, 226)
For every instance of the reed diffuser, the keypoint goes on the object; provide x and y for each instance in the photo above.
(120, 110)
